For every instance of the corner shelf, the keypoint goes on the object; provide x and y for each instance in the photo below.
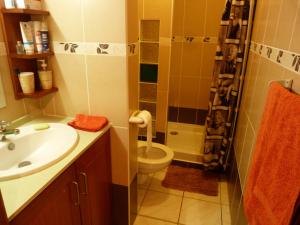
(31, 56)
(25, 11)
(10, 21)
(37, 94)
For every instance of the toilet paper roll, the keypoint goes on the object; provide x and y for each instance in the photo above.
(147, 118)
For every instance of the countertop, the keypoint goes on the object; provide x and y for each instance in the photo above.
(18, 193)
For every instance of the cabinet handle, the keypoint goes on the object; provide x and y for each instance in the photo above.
(85, 183)
(77, 193)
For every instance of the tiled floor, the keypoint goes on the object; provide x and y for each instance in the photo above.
(163, 206)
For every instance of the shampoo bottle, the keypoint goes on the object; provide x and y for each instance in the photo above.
(45, 76)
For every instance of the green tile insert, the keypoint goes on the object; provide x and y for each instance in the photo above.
(148, 73)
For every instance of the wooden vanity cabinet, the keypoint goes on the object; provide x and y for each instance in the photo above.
(81, 195)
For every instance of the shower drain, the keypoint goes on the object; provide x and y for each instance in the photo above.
(173, 132)
(24, 163)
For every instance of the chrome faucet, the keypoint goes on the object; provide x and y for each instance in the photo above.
(4, 131)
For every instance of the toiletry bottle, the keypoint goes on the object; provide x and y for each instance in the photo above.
(45, 75)
(45, 37)
(20, 48)
(37, 36)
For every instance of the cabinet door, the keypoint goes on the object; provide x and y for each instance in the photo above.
(57, 205)
(94, 176)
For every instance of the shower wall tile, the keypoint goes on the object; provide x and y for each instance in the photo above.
(96, 27)
(65, 22)
(174, 91)
(213, 15)
(178, 14)
(191, 59)
(188, 95)
(208, 60)
(176, 54)
(203, 93)
(194, 20)
(260, 21)
(187, 115)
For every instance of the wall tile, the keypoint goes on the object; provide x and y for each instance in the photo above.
(188, 97)
(133, 83)
(100, 24)
(164, 68)
(295, 44)
(108, 75)
(14, 108)
(194, 18)
(260, 21)
(273, 20)
(242, 125)
(204, 93)
(162, 103)
(286, 21)
(65, 22)
(176, 54)
(48, 105)
(208, 60)
(157, 9)
(191, 59)
(178, 14)
(132, 21)
(119, 155)
(72, 97)
(174, 90)
(214, 12)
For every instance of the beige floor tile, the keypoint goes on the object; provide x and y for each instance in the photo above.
(157, 186)
(224, 193)
(214, 199)
(162, 206)
(226, 217)
(141, 220)
(197, 212)
(141, 195)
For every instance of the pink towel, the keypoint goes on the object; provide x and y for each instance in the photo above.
(88, 123)
(274, 177)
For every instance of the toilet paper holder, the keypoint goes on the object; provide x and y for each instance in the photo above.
(134, 119)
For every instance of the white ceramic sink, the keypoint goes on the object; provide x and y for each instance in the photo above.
(35, 150)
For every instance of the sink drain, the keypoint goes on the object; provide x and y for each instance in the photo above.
(24, 163)
(174, 133)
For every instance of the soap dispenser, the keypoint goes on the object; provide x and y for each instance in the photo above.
(45, 75)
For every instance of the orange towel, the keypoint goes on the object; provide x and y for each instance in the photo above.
(274, 177)
(88, 123)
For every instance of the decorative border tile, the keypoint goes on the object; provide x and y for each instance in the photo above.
(284, 58)
(195, 39)
(2, 49)
(90, 48)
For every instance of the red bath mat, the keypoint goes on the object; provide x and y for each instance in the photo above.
(191, 180)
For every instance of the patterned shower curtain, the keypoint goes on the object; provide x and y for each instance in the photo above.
(225, 85)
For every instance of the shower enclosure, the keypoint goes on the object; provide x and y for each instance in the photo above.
(195, 29)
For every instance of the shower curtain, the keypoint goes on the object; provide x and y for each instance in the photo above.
(225, 85)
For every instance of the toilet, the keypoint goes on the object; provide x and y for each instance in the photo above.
(156, 159)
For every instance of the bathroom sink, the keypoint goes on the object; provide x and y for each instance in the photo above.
(34, 150)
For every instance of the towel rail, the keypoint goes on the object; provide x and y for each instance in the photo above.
(285, 83)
